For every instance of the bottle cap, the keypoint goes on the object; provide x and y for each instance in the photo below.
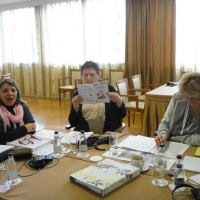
(10, 154)
(82, 131)
(179, 156)
(179, 166)
(162, 145)
(56, 132)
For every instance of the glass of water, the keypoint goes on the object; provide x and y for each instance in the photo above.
(113, 142)
(159, 171)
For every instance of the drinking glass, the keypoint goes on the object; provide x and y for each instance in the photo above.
(73, 143)
(3, 178)
(113, 142)
(159, 171)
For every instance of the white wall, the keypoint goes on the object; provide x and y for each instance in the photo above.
(13, 4)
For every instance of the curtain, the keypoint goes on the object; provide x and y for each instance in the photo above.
(187, 34)
(150, 40)
(39, 44)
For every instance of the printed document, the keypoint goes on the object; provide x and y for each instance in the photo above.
(92, 94)
(138, 143)
(191, 164)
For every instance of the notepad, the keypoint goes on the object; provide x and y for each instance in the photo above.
(197, 152)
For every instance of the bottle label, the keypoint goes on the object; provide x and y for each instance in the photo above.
(57, 149)
(179, 180)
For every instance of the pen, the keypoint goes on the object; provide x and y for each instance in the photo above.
(156, 134)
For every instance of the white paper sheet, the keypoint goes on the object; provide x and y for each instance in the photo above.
(49, 134)
(191, 164)
(172, 149)
(195, 178)
(5, 147)
(138, 143)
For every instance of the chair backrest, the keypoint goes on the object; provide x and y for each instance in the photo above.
(4, 76)
(137, 83)
(122, 86)
(74, 74)
(115, 75)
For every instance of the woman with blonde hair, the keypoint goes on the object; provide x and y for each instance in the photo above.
(181, 121)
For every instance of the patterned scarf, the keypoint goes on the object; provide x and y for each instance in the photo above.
(5, 115)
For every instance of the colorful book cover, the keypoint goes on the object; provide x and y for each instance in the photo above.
(105, 176)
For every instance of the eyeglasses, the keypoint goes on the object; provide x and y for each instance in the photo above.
(191, 99)
(27, 139)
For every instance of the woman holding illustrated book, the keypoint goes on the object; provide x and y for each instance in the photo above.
(16, 119)
(100, 117)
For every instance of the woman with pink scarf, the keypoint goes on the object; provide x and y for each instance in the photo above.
(16, 119)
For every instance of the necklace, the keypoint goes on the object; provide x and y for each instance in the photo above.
(185, 118)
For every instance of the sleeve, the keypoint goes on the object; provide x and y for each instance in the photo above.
(73, 115)
(120, 111)
(18, 132)
(193, 140)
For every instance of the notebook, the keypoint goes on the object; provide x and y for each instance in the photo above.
(105, 176)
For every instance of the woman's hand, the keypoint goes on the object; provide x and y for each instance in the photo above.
(115, 98)
(161, 139)
(76, 101)
(30, 127)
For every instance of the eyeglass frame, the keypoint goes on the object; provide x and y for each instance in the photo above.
(28, 139)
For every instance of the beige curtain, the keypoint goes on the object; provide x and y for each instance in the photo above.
(150, 40)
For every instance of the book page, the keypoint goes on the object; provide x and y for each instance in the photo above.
(92, 94)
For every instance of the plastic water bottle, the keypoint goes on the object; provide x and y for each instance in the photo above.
(57, 145)
(162, 153)
(160, 167)
(179, 177)
(11, 170)
(83, 148)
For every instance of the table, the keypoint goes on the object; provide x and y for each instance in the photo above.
(156, 102)
(53, 183)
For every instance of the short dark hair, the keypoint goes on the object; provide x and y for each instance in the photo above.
(13, 83)
(90, 64)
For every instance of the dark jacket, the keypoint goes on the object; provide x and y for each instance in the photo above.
(11, 133)
(113, 118)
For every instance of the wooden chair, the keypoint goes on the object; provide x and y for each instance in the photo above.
(131, 101)
(139, 88)
(4, 76)
(115, 75)
(68, 84)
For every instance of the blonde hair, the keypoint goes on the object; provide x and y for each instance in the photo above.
(189, 84)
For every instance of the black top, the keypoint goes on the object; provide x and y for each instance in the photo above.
(113, 118)
(11, 133)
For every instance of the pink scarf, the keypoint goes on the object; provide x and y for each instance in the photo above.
(6, 116)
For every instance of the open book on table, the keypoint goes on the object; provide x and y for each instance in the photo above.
(30, 143)
(96, 93)
(105, 176)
